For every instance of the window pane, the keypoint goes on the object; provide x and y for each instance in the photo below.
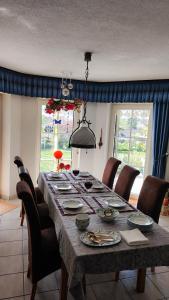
(55, 132)
(123, 123)
(139, 125)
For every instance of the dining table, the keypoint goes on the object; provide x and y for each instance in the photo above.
(79, 259)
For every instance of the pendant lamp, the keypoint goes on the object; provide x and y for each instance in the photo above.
(83, 137)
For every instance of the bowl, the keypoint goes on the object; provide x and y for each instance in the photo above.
(141, 221)
(107, 214)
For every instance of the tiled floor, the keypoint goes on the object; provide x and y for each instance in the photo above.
(14, 284)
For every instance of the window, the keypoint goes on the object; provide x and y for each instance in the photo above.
(131, 143)
(55, 132)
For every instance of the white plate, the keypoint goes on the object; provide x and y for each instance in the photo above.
(84, 174)
(54, 175)
(72, 204)
(140, 219)
(116, 203)
(115, 236)
(97, 186)
(63, 187)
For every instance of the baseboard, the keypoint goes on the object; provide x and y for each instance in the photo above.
(5, 197)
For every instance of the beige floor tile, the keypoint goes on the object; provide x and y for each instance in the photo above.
(10, 248)
(52, 295)
(10, 235)
(10, 224)
(11, 264)
(127, 274)
(162, 282)
(25, 262)
(161, 269)
(95, 278)
(150, 293)
(25, 234)
(164, 221)
(11, 285)
(25, 246)
(46, 284)
(166, 228)
(13, 214)
(110, 290)
(89, 294)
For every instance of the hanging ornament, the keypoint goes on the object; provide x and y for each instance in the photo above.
(100, 144)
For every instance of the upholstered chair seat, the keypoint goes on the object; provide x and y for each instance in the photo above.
(110, 171)
(125, 181)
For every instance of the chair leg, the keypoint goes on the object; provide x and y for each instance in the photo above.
(33, 291)
(153, 269)
(84, 284)
(28, 272)
(116, 277)
(22, 215)
(141, 277)
(64, 279)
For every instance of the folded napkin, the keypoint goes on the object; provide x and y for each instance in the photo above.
(134, 237)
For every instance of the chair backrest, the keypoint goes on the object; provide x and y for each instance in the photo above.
(110, 171)
(33, 222)
(151, 196)
(24, 175)
(18, 161)
(125, 181)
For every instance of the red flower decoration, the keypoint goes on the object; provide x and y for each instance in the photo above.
(58, 154)
(67, 167)
(61, 166)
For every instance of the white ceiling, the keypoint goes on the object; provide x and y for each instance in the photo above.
(129, 38)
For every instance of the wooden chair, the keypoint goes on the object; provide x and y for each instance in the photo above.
(38, 199)
(19, 163)
(43, 253)
(125, 181)
(110, 171)
(149, 202)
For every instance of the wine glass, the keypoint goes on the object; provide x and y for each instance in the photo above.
(88, 185)
(75, 172)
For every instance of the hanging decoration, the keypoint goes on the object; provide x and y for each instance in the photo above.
(53, 105)
(58, 154)
(100, 144)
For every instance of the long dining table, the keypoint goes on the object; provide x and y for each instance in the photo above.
(79, 259)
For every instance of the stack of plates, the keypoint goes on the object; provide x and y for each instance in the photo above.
(141, 221)
(63, 187)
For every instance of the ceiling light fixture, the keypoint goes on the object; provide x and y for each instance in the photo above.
(83, 137)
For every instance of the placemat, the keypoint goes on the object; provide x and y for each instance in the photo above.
(87, 208)
(127, 208)
(74, 190)
(92, 190)
(81, 178)
(62, 177)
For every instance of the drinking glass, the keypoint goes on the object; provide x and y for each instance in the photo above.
(88, 184)
(75, 172)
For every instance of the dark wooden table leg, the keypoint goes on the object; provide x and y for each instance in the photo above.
(64, 279)
(141, 277)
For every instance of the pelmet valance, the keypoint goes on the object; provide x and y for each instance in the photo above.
(116, 92)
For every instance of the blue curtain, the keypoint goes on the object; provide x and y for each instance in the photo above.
(160, 137)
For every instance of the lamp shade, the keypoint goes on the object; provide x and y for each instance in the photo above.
(83, 137)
